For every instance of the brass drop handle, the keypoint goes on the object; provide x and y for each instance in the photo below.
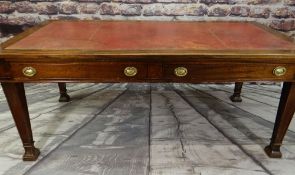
(180, 71)
(29, 71)
(279, 71)
(130, 71)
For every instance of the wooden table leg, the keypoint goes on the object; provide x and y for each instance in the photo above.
(236, 97)
(16, 98)
(284, 116)
(64, 97)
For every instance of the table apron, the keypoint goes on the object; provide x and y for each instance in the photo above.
(146, 72)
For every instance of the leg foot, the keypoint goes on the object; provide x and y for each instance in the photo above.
(16, 98)
(64, 97)
(31, 153)
(273, 152)
(236, 97)
(284, 116)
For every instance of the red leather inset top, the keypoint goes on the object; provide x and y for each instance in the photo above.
(135, 35)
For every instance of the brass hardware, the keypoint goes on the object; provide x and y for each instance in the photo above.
(279, 71)
(29, 71)
(130, 71)
(180, 71)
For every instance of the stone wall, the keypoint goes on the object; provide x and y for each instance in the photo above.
(277, 14)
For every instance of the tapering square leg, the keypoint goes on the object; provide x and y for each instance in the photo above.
(236, 97)
(284, 116)
(64, 97)
(15, 95)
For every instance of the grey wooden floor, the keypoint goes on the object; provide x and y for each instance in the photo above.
(157, 129)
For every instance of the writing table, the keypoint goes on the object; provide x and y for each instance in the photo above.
(121, 51)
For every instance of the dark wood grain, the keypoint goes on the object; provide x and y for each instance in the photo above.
(236, 97)
(15, 95)
(284, 116)
(75, 71)
(226, 72)
(111, 71)
(64, 97)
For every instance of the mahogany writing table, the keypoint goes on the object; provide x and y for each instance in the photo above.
(121, 51)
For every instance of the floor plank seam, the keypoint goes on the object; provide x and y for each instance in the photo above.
(150, 132)
(244, 97)
(43, 92)
(72, 134)
(59, 107)
(225, 135)
(178, 130)
(251, 87)
(268, 122)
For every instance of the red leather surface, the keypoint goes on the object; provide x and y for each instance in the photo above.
(129, 35)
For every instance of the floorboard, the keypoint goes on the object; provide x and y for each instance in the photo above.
(148, 129)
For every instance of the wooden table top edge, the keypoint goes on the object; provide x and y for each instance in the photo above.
(151, 56)
(226, 52)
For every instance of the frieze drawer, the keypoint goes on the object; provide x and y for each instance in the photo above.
(99, 71)
(195, 72)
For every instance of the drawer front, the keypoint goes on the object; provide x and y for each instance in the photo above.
(4, 70)
(228, 72)
(104, 71)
